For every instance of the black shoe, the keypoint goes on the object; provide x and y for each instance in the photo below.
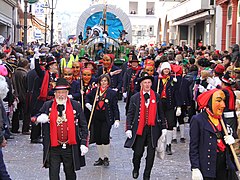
(36, 141)
(135, 174)
(15, 132)
(174, 141)
(182, 140)
(146, 178)
(105, 161)
(9, 137)
(99, 162)
(169, 149)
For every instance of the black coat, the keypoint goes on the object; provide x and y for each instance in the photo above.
(81, 134)
(133, 120)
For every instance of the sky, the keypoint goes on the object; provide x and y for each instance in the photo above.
(72, 5)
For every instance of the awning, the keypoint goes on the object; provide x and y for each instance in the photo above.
(193, 18)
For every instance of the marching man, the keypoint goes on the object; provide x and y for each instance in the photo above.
(65, 133)
(144, 125)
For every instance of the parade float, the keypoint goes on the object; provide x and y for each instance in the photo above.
(108, 27)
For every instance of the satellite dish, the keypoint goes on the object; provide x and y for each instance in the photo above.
(1, 39)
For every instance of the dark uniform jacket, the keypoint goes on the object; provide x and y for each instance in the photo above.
(172, 97)
(116, 80)
(110, 104)
(182, 91)
(203, 146)
(133, 120)
(81, 134)
(75, 90)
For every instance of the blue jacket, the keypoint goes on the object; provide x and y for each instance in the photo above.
(203, 146)
(75, 90)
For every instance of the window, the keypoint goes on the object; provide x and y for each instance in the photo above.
(133, 7)
(229, 12)
(150, 8)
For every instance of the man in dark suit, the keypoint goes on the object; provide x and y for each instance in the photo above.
(144, 125)
(65, 133)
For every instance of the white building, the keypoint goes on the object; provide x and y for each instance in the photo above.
(192, 22)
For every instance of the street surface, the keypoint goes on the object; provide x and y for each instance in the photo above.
(24, 160)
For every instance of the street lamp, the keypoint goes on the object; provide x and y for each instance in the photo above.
(52, 5)
(45, 13)
(25, 24)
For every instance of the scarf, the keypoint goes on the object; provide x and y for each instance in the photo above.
(102, 96)
(136, 68)
(44, 87)
(203, 98)
(151, 113)
(70, 123)
(231, 102)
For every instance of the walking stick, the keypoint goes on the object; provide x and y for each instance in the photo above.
(158, 85)
(82, 94)
(93, 107)
(231, 146)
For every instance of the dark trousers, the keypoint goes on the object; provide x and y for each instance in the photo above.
(101, 128)
(138, 148)
(169, 114)
(21, 108)
(3, 171)
(35, 131)
(180, 119)
(58, 155)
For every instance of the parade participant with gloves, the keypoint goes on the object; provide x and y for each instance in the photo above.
(144, 125)
(106, 114)
(167, 90)
(65, 133)
(209, 151)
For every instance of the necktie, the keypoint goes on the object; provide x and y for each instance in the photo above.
(146, 97)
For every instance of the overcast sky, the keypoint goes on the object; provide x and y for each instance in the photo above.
(72, 5)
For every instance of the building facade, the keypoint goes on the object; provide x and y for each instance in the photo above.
(8, 15)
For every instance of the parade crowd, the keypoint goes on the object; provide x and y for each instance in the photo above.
(67, 101)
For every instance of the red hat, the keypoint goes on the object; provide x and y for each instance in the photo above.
(219, 69)
(177, 69)
(111, 56)
(205, 97)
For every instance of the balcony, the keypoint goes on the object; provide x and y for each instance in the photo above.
(187, 7)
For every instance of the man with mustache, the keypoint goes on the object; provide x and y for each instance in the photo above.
(65, 133)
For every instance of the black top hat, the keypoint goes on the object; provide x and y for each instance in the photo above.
(124, 32)
(134, 58)
(85, 56)
(50, 60)
(143, 76)
(61, 84)
(227, 79)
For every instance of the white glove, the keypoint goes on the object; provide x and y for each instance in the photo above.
(116, 124)
(178, 112)
(84, 150)
(43, 118)
(125, 95)
(36, 54)
(201, 89)
(129, 134)
(229, 139)
(89, 106)
(196, 174)
(210, 81)
(115, 89)
(70, 96)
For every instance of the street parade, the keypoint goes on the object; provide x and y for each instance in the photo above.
(117, 101)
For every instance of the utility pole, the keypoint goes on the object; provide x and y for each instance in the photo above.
(52, 24)
(25, 24)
